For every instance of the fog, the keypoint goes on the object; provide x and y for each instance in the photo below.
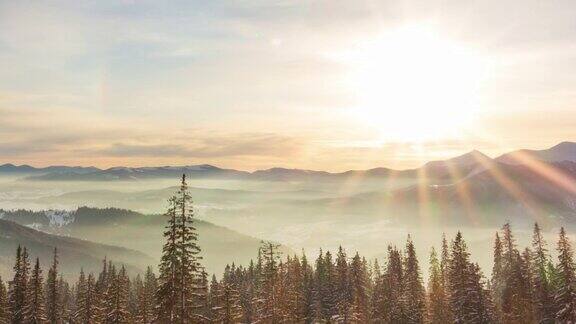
(303, 216)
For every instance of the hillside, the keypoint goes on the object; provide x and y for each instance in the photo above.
(141, 232)
(74, 253)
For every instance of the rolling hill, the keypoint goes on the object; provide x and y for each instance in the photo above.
(140, 232)
(74, 253)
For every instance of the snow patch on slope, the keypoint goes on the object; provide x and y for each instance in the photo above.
(59, 218)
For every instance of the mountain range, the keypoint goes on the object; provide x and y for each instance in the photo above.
(457, 167)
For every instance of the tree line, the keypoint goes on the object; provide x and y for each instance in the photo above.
(526, 286)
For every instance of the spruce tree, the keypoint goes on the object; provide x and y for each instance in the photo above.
(542, 292)
(413, 295)
(565, 298)
(66, 300)
(469, 301)
(342, 290)
(387, 293)
(438, 310)
(295, 307)
(323, 291)
(516, 300)
(268, 309)
(444, 260)
(393, 288)
(145, 298)
(53, 294)
(167, 293)
(4, 306)
(136, 290)
(226, 304)
(19, 286)
(192, 283)
(118, 299)
(359, 290)
(181, 295)
(34, 311)
(307, 290)
(498, 282)
(87, 309)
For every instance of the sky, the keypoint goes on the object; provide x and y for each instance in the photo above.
(250, 84)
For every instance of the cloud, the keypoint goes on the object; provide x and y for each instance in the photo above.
(76, 137)
(253, 144)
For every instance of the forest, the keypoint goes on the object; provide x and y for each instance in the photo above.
(526, 285)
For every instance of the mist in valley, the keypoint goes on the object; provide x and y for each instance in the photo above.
(303, 216)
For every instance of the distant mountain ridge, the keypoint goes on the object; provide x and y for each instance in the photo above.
(565, 151)
(460, 166)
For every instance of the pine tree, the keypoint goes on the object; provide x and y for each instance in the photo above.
(118, 299)
(145, 298)
(413, 295)
(34, 310)
(4, 306)
(19, 286)
(268, 308)
(343, 293)
(102, 290)
(565, 298)
(444, 260)
(359, 290)
(307, 290)
(183, 282)
(136, 290)
(87, 310)
(53, 295)
(498, 282)
(191, 274)
(387, 293)
(295, 301)
(247, 282)
(393, 279)
(438, 308)
(226, 300)
(543, 294)
(213, 294)
(516, 300)
(167, 293)
(469, 301)
(66, 300)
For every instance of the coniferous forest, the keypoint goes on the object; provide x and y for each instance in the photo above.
(525, 286)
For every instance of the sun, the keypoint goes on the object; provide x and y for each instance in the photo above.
(413, 85)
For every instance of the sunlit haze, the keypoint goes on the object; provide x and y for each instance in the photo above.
(303, 84)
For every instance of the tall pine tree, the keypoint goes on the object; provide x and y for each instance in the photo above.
(118, 299)
(565, 298)
(438, 310)
(53, 293)
(87, 309)
(469, 301)
(541, 287)
(413, 295)
(19, 286)
(34, 311)
(182, 289)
